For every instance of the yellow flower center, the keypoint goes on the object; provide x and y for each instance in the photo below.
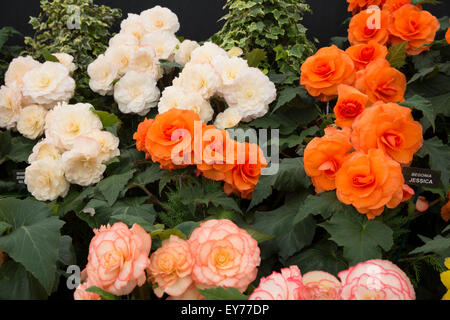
(112, 260)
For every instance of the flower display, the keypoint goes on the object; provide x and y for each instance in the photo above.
(248, 166)
(224, 254)
(376, 280)
(286, 285)
(118, 257)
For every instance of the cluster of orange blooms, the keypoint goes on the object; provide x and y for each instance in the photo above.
(362, 161)
(399, 20)
(216, 155)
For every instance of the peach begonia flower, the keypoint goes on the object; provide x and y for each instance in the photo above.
(171, 266)
(225, 255)
(118, 257)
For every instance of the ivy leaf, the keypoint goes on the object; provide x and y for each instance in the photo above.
(397, 55)
(34, 238)
(362, 239)
(48, 56)
(102, 293)
(326, 204)
(223, 294)
(255, 57)
(422, 104)
(438, 153)
(113, 185)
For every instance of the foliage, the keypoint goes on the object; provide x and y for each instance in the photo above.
(270, 32)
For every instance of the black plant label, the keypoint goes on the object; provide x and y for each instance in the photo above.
(421, 176)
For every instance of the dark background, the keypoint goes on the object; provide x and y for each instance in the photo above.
(199, 18)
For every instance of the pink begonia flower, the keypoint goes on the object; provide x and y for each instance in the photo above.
(118, 257)
(280, 286)
(225, 255)
(171, 266)
(319, 285)
(376, 280)
(81, 293)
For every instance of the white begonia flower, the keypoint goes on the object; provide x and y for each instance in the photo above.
(183, 53)
(44, 149)
(205, 53)
(251, 93)
(45, 179)
(176, 97)
(10, 106)
(227, 119)
(235, 52)
(48, 84)
(160, 19)
(163, 43)
(120, 57)
(133, 25)
(82, 164)
(124, 40)
(229, 68)
(66, 60)
(90, 211)
(200, 78)
(66, 123)
(144, 61)
(109, 144)
(31, 121)
(102, 74)
(17, 69)
(136, 93)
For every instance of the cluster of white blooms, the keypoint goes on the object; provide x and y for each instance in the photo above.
(211, 71)
(31, 89)
(74, 151)
(130, 67)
